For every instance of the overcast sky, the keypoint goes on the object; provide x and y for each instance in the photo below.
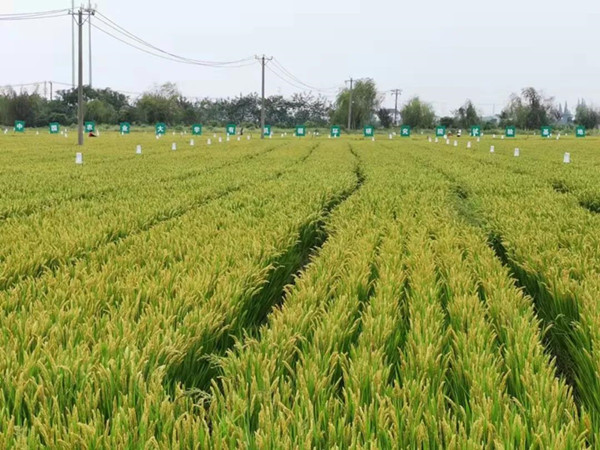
(443, 51)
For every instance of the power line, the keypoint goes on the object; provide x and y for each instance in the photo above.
(168, 58)
(128, 35)
(34, 15)
(297, 80)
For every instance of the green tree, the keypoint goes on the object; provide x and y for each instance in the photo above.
(417, 114)
(385, 117)
(530, 110)
(466, 116)
(100, 112)
(587, 116)
(448, 122)
(365, 102)
(160, 105)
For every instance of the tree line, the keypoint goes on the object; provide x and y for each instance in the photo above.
(527, 110)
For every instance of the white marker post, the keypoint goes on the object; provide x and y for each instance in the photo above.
(567, 158)
(492, 149)
(174, 146)
(192, 142)
(437, 140)
(456, 143)
(220, 139)
(469, 144)
(517, 152)
(138, 150)
(208, 142)
(79, 158)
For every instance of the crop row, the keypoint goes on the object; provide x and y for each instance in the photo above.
(406, 331)
(115, 348)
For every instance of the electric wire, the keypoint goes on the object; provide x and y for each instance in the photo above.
(34, 15)
(119, 29)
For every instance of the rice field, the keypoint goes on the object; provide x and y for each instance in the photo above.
(299, 293)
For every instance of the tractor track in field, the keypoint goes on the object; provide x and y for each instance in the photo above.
(52, 264)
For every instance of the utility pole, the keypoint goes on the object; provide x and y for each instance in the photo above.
(80, 88)
(396, 92)
(263, 62)
(350, 105)
(51, 96)
(90, 12)
(73, 44)
(80, 23)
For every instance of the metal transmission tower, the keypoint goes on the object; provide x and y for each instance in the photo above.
(351, 81)
(396, 92)
(263, 62)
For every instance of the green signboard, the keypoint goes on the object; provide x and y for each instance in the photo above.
(19, 126)
(546, 132)
(197, 129)
(90, 127)
(160, 129)
(440, 131)
(230, 129)
(368, 131)
(300, 131)
(405, 131)
(336, 131)
(580, 131)
(125, 127)
(54, 128)
(267, 130)
(510, 132)
(476, 131)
